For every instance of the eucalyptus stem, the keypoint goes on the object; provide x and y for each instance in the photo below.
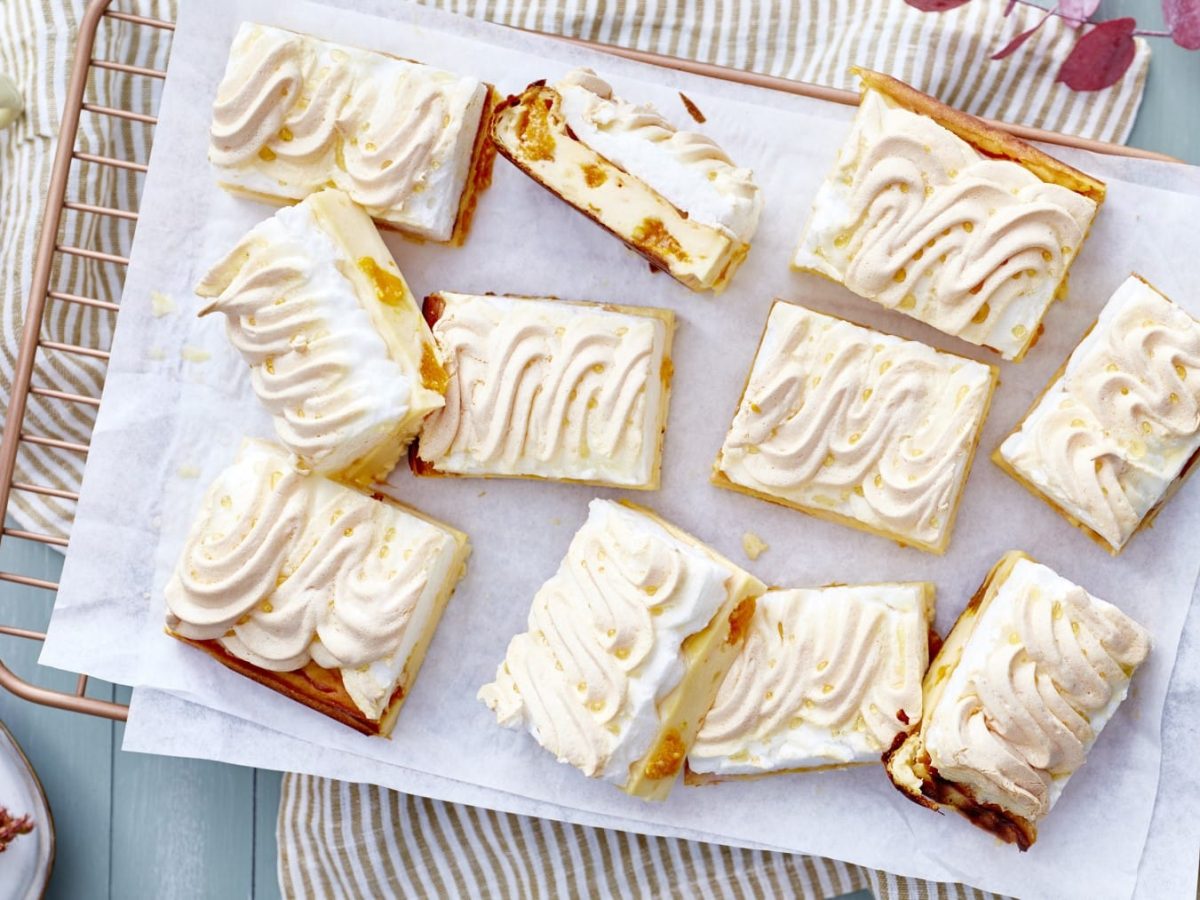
(1054, 11)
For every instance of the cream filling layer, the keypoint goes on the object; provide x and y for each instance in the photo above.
(700, 256)
(916, 219)
(688, 169)
(319, 363)
(827, 676)
(1042, 673)
(604, 641)
(1114, 431)
(294, 114)
(283, 569)
(846, 419)
(547, 388)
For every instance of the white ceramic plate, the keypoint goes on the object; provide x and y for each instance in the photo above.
(25, 865)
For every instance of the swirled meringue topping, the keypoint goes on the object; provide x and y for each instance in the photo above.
(294, 114)
(604, 644)
(1115, 429)
(283, 569)
(1043, 671)
(550, 389)
(916, 219)
(687, 168)
(827, 676)
(842, 419)
(337, 347)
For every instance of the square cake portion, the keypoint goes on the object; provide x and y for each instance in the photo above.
(626, 647)
(408, 142)
(326, 595)
(1033, 670)
(936, 214)
(673, 196)
(857, 426)
(338, 350)
(543, 388)
(1118, 428)
(827, 678)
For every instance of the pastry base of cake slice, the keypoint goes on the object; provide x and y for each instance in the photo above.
(907, 762)
(322, 689)
(433, 308)
(708, 655)
(529, 130)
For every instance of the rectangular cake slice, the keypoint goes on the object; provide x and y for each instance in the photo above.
(673, 196)
(338, 350)
(328, 596)
(1118, 428)
(827, 677)
(626, 647)
(856, 426)
(1033, 670)
(409, 143)
(543, 388)
(936, 214)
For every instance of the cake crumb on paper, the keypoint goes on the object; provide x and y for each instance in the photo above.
(156, 353)
(161, 304)
(186, 471)
(194, 354)
(753, 545)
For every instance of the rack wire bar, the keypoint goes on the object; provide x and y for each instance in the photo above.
(49, 250)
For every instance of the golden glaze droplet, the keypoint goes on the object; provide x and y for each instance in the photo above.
(266, 154)
(390, 288)
(981, 314)
(285, 134)
(900, 275)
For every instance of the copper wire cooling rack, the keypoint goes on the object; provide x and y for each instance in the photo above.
(50, 249)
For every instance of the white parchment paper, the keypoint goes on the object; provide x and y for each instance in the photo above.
(178, 402)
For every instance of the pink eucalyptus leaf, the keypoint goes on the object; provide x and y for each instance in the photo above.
(1015, 44)
(935, 5)
(1183, 18)
(1009, 7)
(1100, 57)
(1077, 11)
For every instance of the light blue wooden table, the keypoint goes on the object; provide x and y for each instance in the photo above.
(132, 826)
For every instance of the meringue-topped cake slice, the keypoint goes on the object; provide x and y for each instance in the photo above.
(626, 646)
(1118, 428)
(860, 427)
(673, 196)
(544, 388)
(324, 594)
(940, 216)
(1032, 672)
(827, 677)
(407, 142)
(339, 352)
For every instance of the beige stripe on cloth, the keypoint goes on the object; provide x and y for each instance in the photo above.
(346, 840)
